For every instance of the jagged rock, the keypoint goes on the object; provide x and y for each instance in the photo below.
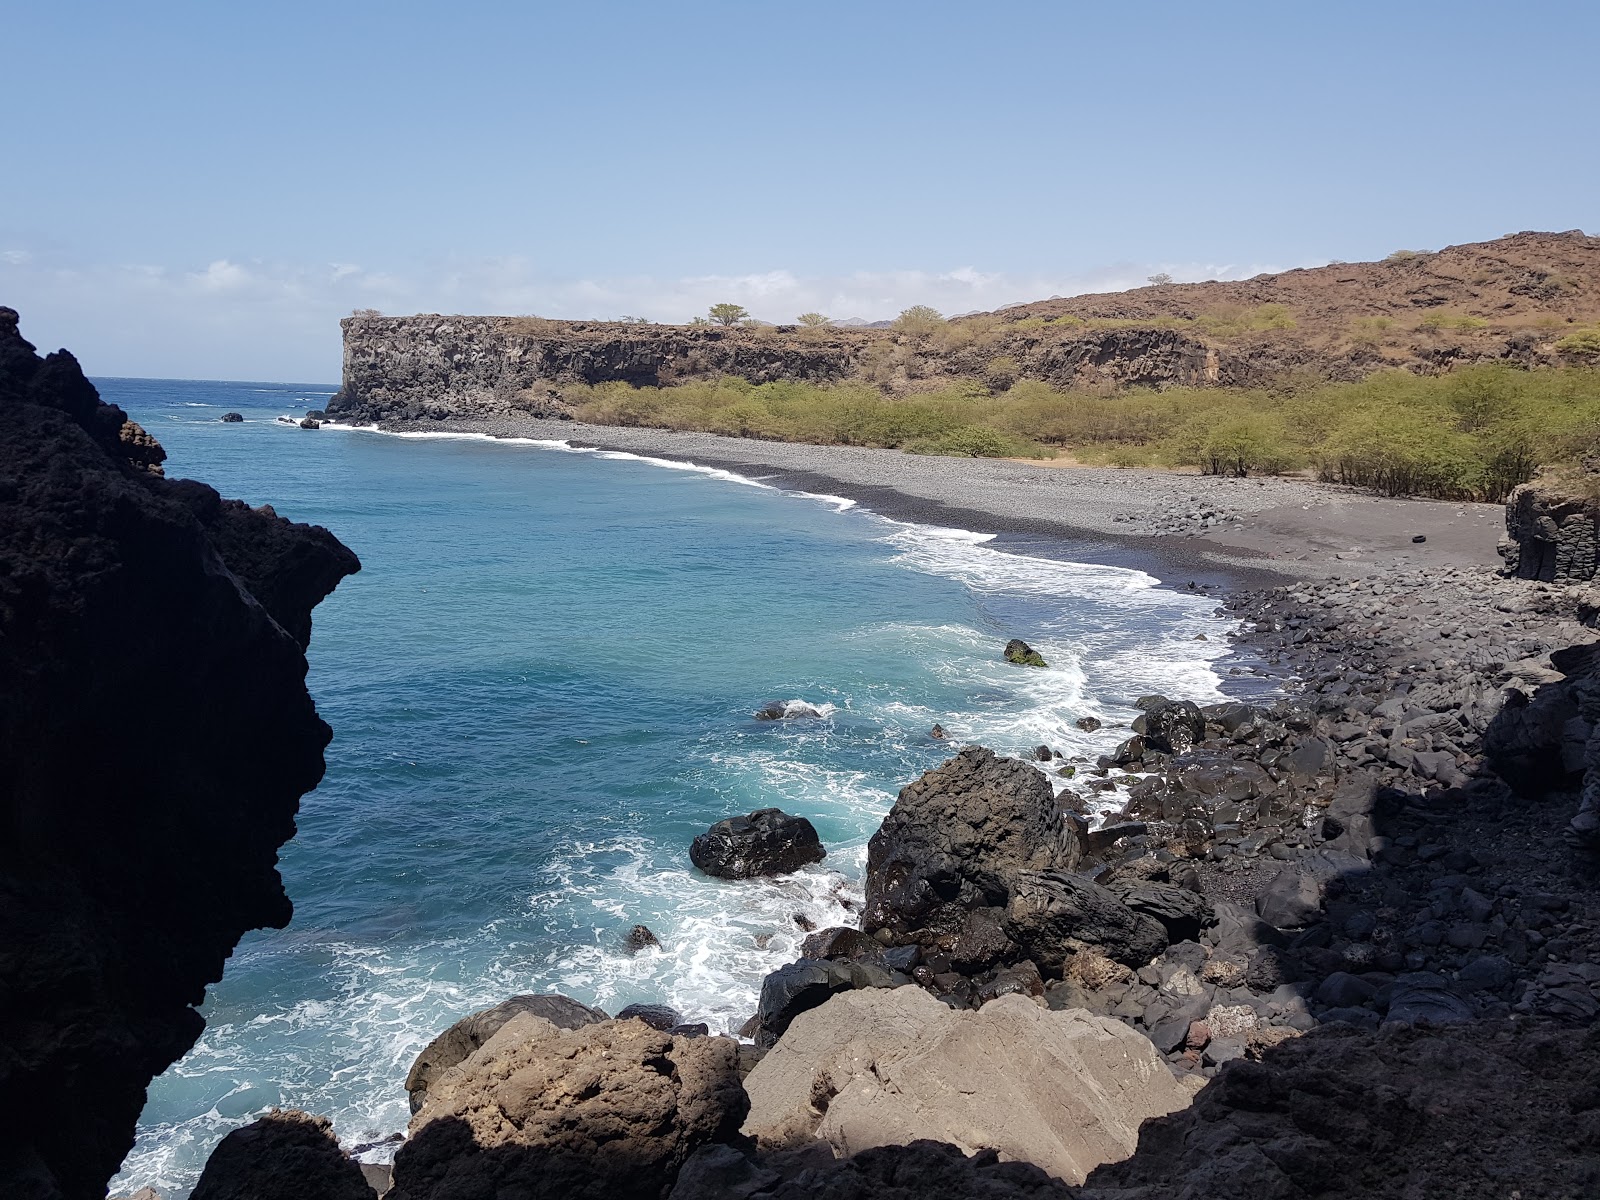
(285, 1155)
(1019, 652)
(310, 423)
(767, 842)
(606, 1112)
(1182, 912)
(127, 872)
(1087, 724)
(954, 841)
(839, 941)
(1052, 911)
(1550, 534)
(660, 1017)
(1063, 1090)
(232, 418)
(465, 1037)
(640, 937)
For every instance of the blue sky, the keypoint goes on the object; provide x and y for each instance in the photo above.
(202, 189)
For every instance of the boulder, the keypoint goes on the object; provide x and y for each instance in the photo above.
(1019, 652)
(956, 839)
(606, 1112)
(1065, 1091)
(1051, 913)
(310, 423)
(232, 418)
(468, 1034)
(840, 941)
(801, 986)
(767, 842)
(661, 1017)
(1087, 724)
(1173, 726)
(1182, 912)
(285, 1155)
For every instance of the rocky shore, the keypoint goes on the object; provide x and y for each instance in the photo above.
(1347, 944)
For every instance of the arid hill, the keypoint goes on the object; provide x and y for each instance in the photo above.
(1532, 299)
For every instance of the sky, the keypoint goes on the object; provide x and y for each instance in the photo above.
(201, 190)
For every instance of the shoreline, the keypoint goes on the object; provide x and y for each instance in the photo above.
(1214, 531)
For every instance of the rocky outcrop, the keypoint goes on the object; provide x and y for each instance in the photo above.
(155, 739)
(285, 1155)
(1065, 1091)
(766, 842)
(467, 1036)
(437, 367)
(606, 1112)
(1552, 533)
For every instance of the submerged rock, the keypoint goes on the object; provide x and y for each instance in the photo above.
(1019, 652)
(639, 938)
(232, 418)
(766, 842)
(785, 710)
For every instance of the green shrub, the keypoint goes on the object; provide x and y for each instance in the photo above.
(1584, 341)
(919, 319)
(1447, 322)
(969, 441)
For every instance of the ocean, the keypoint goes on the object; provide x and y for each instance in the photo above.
(541, 686)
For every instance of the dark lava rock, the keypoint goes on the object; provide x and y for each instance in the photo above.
(938, 733)
(1173, 726)
(1051, 907)
(639, 938)
(1087, 724)
(839, 941)
(131, 860)
(1019, 652)
(800, 986)
(232, 418)
(1182, 912)
(310, 423)
(316, 414)
(767, 842)
(468, 1034)
(1042, 754)
(954, 841)
(657, 1016)
(285, 1155)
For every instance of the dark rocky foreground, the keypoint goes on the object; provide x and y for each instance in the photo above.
(155, 739)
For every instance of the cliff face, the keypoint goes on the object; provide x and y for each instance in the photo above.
(155, 739)
(1513, 300)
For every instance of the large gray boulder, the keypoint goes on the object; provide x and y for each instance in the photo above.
(1066, 1091)
(468, 1034)
(609, 1111)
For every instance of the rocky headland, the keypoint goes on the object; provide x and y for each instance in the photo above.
(1510, 300)
(155, 739)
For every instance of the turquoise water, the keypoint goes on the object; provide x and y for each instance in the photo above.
(541, 685)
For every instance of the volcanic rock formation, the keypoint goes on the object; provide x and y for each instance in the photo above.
(155, 739)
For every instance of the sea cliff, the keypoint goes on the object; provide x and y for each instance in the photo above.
(156, 736)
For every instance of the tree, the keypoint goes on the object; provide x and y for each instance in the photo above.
(1159, 280)
(919, 318)
(727, 314)
(813, 320)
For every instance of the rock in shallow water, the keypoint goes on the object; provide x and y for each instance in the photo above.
(285, 1155)
(767, 842)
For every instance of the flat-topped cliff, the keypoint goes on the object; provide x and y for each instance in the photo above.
(1531, 299)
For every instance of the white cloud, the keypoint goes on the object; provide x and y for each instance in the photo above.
(273, 320)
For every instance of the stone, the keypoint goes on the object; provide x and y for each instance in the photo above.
(660, 1017)
(1065, 1091)
(840, 941)
(1087, 724)
(1042, 754)
(954, 841)
(1019, 652)
(464, 1038)
(285, 1155)
(1423, 999)
(612, 1109)
(1182, 912)
(310, 423)
(232, 418)
(1052, 911)
(767, 842)
(800, 986)
(639, 938)
(1173, 726)
(1343, 990)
